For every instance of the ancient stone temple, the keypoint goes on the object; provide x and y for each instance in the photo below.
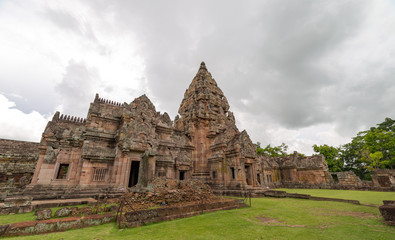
(296, 171)
(120, 146)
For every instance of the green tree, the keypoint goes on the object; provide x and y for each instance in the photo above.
(379, 142)
(351, 155)
(270, 151)
(332, 156)
(370, 149)
(372, 160)
(387, 125)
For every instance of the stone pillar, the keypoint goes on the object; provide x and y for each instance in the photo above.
(147, 169)
(43, 150)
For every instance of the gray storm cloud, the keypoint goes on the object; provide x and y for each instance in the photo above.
(272, 54)
(76, 88)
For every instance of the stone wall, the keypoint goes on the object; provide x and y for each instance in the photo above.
(346, 179)
(17, 163)
(384, 179)
(294, 171)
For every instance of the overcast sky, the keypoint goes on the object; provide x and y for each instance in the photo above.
(298, 72)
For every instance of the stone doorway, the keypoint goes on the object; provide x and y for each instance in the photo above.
(182, 175)
(248, 172)
(134, 173)
(335, 178)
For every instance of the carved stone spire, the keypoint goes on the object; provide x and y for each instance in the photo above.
(203, 99)
(203, 66)
(205, 118)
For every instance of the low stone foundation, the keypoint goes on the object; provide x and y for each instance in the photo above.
(7, 209)
(388, 212)
(129, 219)
(364, 186)
(54, 225)
(284, 194)
(138, 218)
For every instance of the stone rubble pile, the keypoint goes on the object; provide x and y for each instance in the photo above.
(171, 192)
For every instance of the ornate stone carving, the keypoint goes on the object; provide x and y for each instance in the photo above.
(51, 155)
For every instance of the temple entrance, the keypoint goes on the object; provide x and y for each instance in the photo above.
(335, 177)
(248, 173)
(134, 173)
(258, 178)
(182, 175)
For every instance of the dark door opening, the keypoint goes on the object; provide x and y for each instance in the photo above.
(62, 173)
(258, 178)
(335, 178)
(248, 174)
(232, 170)
(134, 173)
(182, 175)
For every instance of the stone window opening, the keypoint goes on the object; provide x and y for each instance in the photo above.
(99, 174)
(214, 174)
(62, 172)
(269, 178)
(232, 170)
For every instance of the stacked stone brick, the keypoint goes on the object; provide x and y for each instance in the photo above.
(17, 163)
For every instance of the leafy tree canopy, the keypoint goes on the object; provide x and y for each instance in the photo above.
(369, 150)
(332, 156)
(275, 151)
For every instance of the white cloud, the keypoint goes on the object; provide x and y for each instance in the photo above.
(15, 124)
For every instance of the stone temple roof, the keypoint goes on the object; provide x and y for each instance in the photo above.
(203, 96)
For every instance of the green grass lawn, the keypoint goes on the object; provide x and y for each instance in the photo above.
(268, 218)
(364, 197)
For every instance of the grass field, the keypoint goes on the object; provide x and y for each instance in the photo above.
(268, 218)
(364, 197)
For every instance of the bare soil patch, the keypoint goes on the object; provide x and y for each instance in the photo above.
(324, 212)
(272, 222)
(267, 220)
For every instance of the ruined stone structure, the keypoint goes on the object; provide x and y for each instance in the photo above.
(295, 171)
(120, 146)
(17, 163)
(384, 178)
(346, 179)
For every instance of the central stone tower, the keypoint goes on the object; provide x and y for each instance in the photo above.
(207, 121)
